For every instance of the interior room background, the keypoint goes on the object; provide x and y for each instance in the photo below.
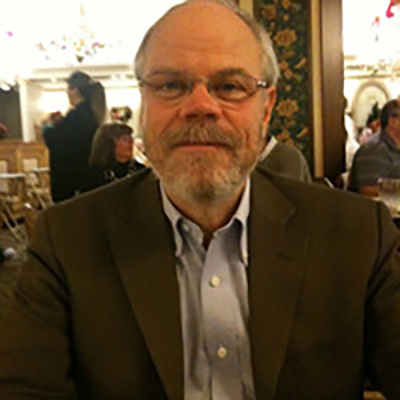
(326, 49)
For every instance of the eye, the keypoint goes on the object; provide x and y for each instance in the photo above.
(170, 87)
(230, 88)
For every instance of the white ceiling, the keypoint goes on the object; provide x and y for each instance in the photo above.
(119, 24)
(366, 38)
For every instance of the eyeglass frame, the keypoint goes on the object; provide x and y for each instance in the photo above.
(192, 81)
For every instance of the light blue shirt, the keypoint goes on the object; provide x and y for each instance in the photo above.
(214, 306)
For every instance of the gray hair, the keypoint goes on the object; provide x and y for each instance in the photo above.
(268, 56)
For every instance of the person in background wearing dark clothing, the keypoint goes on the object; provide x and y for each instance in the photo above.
(70, 139)
(49, 123)
(380, 156)
(284, 159)
(111, 156)
(214, 281)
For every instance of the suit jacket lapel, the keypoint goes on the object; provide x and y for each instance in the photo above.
(142, 243)
(143, 248)
(277, 243)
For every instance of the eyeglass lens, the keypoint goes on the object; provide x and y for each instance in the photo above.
(230, 87)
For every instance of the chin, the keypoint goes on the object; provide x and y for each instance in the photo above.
(200, 180)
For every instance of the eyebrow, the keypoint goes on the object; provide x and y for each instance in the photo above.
(177, 71)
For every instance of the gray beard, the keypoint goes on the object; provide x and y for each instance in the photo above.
(200, 178)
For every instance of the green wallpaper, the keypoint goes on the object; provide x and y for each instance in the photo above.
(287, 22)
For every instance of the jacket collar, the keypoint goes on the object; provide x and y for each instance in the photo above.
(143, 245)
(143, 248)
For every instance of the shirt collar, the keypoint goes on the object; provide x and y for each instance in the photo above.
(268, 148)
(241, 216)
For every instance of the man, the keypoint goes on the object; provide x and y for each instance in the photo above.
(215, 282)
(380, 156)
(284, 159)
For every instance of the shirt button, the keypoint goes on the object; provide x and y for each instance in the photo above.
(215, 281)
(222, 352)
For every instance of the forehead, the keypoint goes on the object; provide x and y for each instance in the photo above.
(203, 38)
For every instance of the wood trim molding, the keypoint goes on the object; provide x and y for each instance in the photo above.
(316, 89)
(332, 83)
(326, 86)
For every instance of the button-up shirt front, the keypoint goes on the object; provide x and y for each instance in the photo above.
(214, 306)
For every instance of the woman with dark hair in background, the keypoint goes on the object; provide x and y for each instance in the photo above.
(111, 157)
(70, 139)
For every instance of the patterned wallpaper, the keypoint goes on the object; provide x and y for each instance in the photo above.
(287, 22)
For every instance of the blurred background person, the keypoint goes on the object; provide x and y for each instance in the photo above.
(70, 139)
(284, 159)
(372, 126)
(111, 156)
(378, 158)
(50, 121)
(352, 143)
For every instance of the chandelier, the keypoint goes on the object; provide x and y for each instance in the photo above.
(378, 52)
(384, 52)
(74, 47)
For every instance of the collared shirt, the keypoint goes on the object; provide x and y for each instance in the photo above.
(272, 142)
(378, 158)
(214, 306)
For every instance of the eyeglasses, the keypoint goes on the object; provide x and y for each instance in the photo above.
(229, 87)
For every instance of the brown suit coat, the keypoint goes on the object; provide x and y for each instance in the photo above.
(96, 314)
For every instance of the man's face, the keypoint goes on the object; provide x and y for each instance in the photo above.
(199, 145)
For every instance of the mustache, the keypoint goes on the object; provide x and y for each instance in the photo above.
(201, 134)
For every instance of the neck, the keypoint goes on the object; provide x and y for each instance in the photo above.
(208, 215)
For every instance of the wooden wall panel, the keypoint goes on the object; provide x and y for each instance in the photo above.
(329, 57)
(332, 67)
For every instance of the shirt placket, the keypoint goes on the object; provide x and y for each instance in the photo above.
(218, 311)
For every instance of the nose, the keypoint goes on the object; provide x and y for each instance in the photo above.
(200, 104)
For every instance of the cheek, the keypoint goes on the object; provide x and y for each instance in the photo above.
(247, 114)
(123, 148)
(247, 122)
(156, 117)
